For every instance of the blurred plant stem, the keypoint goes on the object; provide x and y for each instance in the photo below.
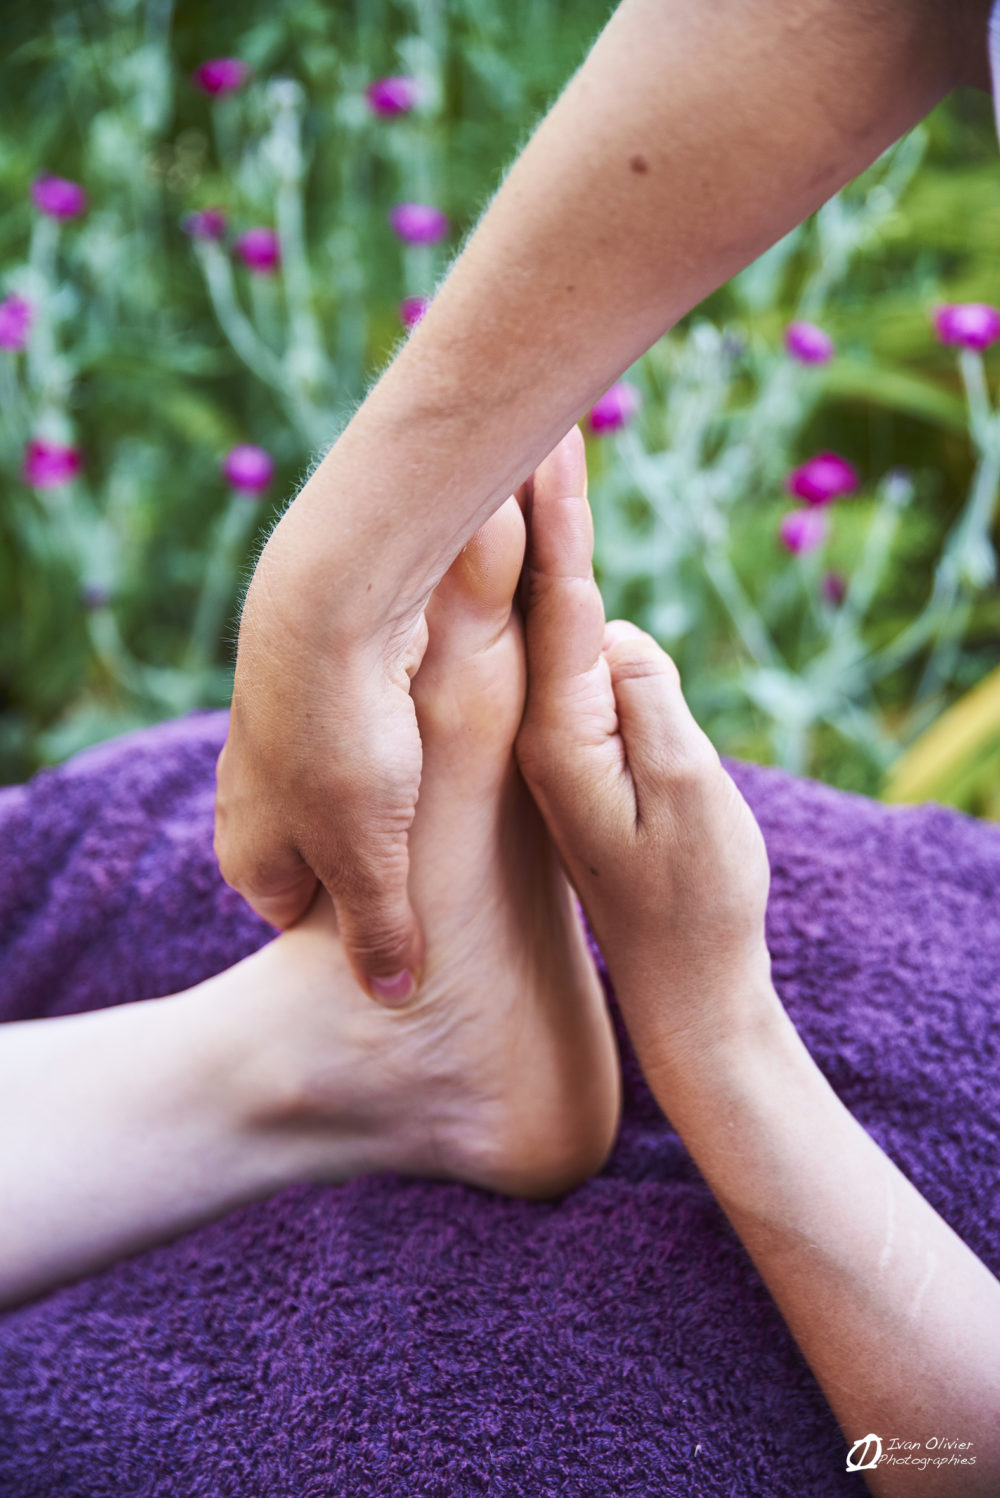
(227, 546)
(304, 354)
(967, 564)
(237, 327)
(42, 287)
(12, 404)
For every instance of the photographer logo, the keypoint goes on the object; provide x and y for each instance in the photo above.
(864, 1454)
(936, 1451)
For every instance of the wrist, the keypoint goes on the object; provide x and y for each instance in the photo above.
(696, 1038)
(446, 435)
(374, 528)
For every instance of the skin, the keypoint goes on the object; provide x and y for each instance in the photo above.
(650, 182)
(124, 1127)
(898, 1319)
(142, 1120)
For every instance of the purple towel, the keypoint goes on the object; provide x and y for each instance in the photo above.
(399, 1337)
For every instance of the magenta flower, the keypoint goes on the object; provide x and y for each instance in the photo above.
(220, 75)
(249, 469)
(972, 325)
(822, 479)
(803, 530)
(205, 223)
(389, 96)
(58, 197)
(16, 317)
(419, 223)
(412, 309)
(260, 250)
(615, 409)
(807, 343)
(834, 588)
(48, 464)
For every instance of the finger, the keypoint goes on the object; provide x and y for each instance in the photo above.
(564, 614)
(665, 748)
(280, 892)
(280, 886)
(569, 748)
(380, 933)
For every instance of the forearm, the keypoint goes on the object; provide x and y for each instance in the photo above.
(898, 1319)
(693, 137)
(119, 1129)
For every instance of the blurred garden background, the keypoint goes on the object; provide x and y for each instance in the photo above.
(218, 223)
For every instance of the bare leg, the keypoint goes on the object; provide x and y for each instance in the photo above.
(125, 1127)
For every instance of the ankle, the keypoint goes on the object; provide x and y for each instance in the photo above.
(313, 1093)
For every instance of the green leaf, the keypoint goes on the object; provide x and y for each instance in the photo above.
(897, 390)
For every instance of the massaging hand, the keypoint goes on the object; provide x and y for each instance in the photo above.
(663, 850)
(542, 310)
(319, 774)
(671, 868)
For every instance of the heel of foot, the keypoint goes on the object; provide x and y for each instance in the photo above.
(557, 1151)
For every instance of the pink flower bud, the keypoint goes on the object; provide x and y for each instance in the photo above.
(412, 309)
(205, 223)
(58, 197)
(972, 325)
(388, 96)
(260, 250)
(220, 75)
(807, 343)
(834, 588)
(16, 316)
(48, 464)
(249, 469)
(95, 596)
(822, 479)
(803, 530)
(419, 223)
(615, 409)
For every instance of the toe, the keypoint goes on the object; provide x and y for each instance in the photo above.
(472, 602)
(469, 690)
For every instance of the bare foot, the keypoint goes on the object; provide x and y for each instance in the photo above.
(503, 1071)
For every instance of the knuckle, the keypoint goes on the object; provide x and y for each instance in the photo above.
(229, 859)
(668, 667)
(378, 939)
(383, 952)
(634, 659)
(228, 867)
(373, 882)
(691, 767)
(261, 871)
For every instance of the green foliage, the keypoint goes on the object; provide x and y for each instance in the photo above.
(155, 356)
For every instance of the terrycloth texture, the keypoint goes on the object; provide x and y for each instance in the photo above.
(397, 1337)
